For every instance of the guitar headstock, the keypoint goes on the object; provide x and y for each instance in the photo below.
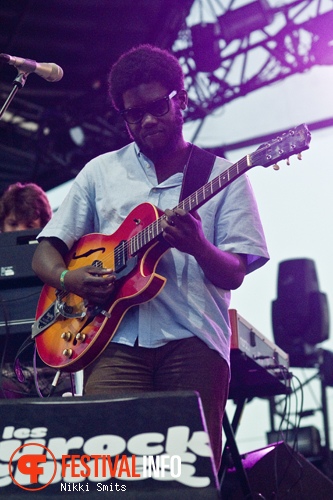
(287, 144)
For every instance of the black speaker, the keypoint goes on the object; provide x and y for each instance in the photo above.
(159, 441)
(307, 438)
(297, 277)
(20, 287)
(300, 315)
(277, 471)
(294, 320)
(18, 309)
(16, 251)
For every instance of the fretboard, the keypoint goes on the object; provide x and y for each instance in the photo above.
(191, 203)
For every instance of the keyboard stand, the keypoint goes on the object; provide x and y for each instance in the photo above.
(231, 448)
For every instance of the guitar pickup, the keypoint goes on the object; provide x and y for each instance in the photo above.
(130, 265)
(120, 256)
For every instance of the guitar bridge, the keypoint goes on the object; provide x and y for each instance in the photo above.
(68, 311)
(51, 315)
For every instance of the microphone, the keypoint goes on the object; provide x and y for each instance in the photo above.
(49, 71)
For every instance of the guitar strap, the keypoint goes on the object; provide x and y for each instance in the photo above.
(197, 171)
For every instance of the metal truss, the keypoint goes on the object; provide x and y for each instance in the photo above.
(227, 48)
(232, 51)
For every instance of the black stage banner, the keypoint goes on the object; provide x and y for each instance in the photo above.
(150, 446)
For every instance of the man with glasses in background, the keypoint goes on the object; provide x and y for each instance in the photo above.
(180, 339)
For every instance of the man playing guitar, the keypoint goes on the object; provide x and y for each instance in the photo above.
(186, 262)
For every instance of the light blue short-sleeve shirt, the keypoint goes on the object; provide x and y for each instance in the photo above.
(105, 192)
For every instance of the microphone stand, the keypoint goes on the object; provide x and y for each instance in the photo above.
(18, 84)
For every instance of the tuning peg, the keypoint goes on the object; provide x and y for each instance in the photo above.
(299, 156)
(276, 167)
(287, 161)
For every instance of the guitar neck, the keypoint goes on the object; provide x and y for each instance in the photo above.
(209, 190)
(192, 202)
(282, 147)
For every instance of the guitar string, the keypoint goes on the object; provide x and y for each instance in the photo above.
(143, 237)
(201, 193)
(154, 229)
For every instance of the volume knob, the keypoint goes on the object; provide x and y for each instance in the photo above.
(66, 336)
(67, 352)
(80, 337)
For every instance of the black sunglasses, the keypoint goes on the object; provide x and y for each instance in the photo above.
(157, 108)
